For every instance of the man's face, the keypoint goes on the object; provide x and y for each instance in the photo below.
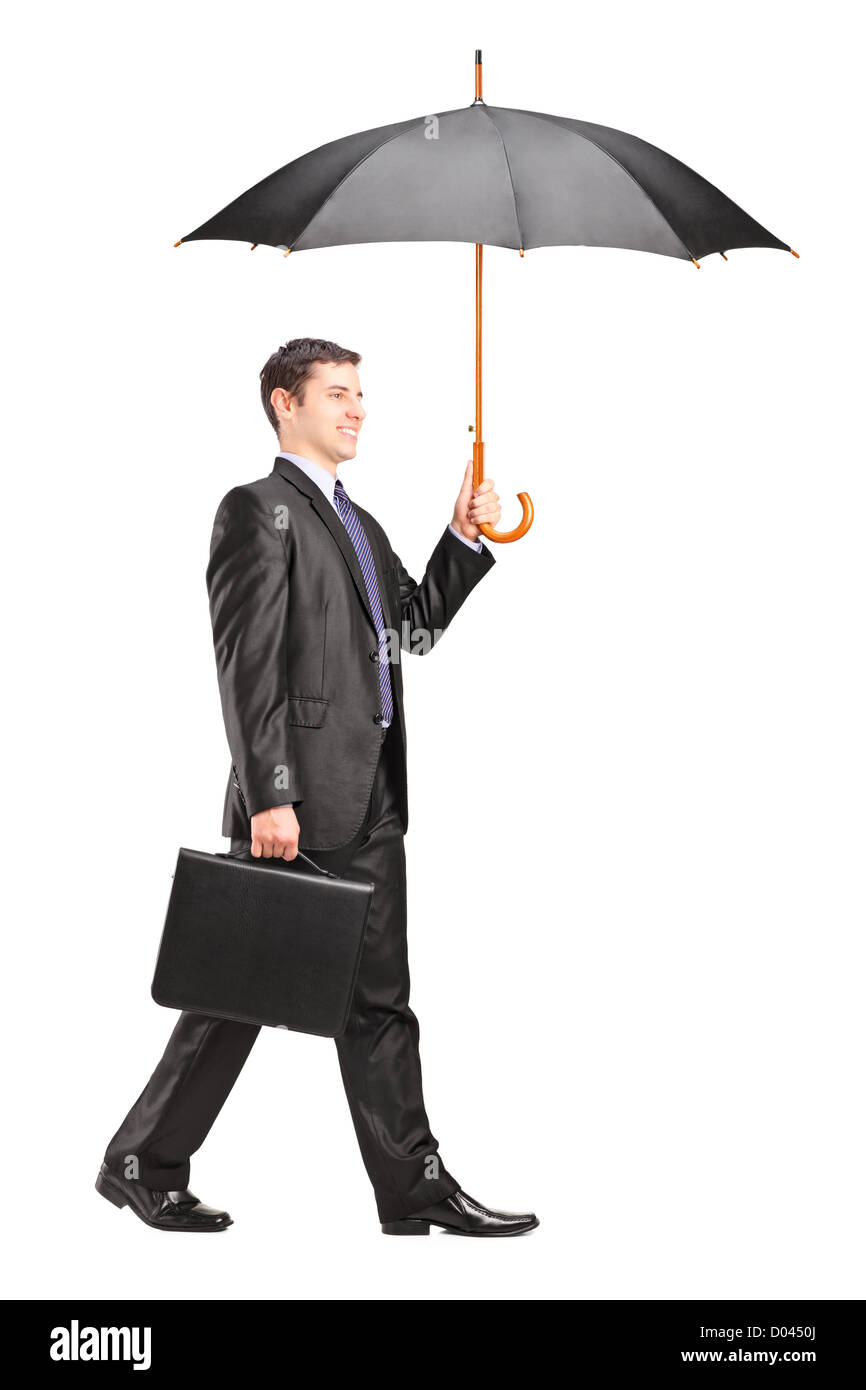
(326, 427)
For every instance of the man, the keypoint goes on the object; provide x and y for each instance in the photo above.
(306, 595)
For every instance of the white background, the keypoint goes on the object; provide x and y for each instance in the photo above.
(637, 758)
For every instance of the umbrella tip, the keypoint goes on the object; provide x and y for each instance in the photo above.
(177, 243)
(521, 250)
(254, 245)
(478, 55)
(697, 263)
(793, 252)
(287, 252)
(723, 256)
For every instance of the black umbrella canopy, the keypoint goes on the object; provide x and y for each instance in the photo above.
(491, 175)
(494, 176)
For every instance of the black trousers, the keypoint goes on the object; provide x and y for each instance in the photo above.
(378, 1053)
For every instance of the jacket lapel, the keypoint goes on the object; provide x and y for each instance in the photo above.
(298, 478)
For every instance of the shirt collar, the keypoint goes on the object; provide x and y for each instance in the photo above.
(314, 471)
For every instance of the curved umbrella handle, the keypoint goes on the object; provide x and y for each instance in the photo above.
(501, 537)
(520, 529)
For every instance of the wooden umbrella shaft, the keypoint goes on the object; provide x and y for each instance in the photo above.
(525, 500)
(478, 446)
(502, 537)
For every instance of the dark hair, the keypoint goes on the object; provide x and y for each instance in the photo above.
(291, 367)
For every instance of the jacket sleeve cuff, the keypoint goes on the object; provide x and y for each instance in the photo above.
(476, 545)
(263, 795)
(475, 557)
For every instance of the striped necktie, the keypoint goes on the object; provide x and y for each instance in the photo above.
(358, 537)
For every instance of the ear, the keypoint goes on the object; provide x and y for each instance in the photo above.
(281, 402)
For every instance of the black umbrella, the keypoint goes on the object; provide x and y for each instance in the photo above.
(494, 175)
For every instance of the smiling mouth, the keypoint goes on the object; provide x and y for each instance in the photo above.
(348, 431)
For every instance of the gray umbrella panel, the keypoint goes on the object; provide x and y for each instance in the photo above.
(491, 175)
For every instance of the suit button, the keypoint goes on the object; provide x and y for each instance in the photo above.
(374, 656)
(377, 719)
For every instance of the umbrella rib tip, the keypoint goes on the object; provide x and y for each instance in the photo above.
(697, 263)
(793, 252)
(177, 243)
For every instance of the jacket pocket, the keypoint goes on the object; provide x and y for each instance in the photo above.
(307, 710)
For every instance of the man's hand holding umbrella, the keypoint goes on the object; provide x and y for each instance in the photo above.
(474, 506)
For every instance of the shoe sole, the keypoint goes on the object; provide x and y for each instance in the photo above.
(105, 1187)
(408, 1227)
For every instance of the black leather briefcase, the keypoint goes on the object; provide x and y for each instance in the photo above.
(262, 941)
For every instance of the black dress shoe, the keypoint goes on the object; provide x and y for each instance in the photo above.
(463, 1216)
(167, 1211)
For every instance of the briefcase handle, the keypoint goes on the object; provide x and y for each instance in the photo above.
(316, 866)
(312, 863)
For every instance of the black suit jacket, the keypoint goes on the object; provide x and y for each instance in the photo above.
(294, 636)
